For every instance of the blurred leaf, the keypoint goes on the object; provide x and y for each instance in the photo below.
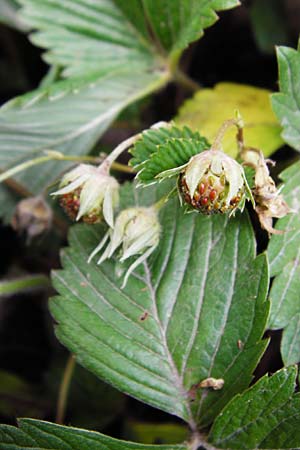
(284, 257)
(37, 435)
(91, 403)
(286, 103)
(184, 296)
(156, 433)
(269, 24)
(8, 201)
(19, 398)
(209, 108)
(9, 15)
(264, 417)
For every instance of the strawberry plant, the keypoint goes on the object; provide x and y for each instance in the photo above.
(178, 245)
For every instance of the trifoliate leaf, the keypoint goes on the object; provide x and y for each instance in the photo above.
(209, 108)
(267, 416)
(180, 318)
(284, 257)
(38, 435)
(286, 103)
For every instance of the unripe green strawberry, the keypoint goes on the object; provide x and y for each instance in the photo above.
(213, 182)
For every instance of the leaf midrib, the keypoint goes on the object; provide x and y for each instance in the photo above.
(178, 381)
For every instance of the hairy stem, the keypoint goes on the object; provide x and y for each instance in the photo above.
(238, 123)
(64, 390)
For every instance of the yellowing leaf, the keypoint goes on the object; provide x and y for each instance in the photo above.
(209, 108)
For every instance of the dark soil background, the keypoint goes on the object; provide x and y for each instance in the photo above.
(29, 350)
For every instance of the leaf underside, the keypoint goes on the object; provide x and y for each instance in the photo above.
(266, 416)
(204, 295)
(109, 53)
(38, 435)
(284, 258)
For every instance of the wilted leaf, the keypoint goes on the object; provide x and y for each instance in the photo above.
(209, 108)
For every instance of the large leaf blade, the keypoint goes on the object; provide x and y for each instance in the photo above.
(160, 359)
(134, 31)
(86, 37)
(266, 416)
(284, 257)
(38, 435)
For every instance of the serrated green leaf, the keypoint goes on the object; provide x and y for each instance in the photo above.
(176, 24)
(151, 139)
(165, 149)
(175, 153)
(290, 341)
(209, 108)
(284, 248)
(267, 416)
(204, 294)
(286, 104)
(85, 36)
(38, 435)
(284, 257)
